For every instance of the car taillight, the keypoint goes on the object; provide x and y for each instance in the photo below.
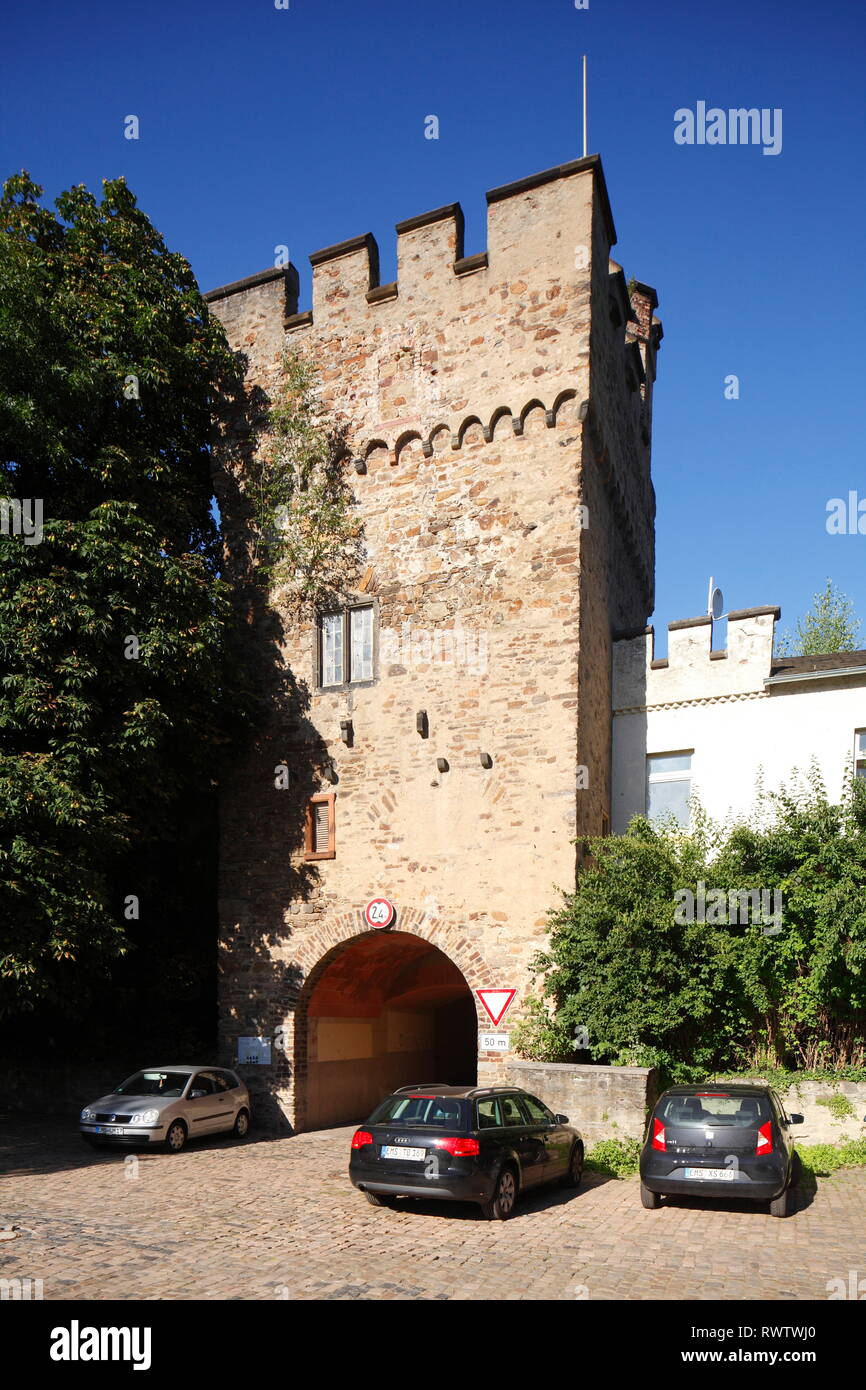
(765, 1139)
(658, 1136)
(459, 1148)
(360, 1138)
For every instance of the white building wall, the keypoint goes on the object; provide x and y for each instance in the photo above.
(720, 710)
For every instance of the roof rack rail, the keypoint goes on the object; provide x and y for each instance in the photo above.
(417, 1085)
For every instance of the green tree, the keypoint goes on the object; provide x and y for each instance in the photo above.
(118, 685)
(306, 537)
(620, 965)
(650, 986)
(830, 626)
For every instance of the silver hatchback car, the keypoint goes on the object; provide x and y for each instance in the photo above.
(168, 1106)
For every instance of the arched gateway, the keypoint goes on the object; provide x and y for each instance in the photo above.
(378, 1010)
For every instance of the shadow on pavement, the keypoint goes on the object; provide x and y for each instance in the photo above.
(801, 1197)
(54, 1146)
(535, 1200)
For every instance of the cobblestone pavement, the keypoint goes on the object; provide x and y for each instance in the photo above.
(278, 1218)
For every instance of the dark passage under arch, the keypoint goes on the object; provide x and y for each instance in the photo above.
(385, 1010)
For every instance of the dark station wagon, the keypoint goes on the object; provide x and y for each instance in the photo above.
(463, 1144)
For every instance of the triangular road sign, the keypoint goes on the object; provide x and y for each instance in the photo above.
(496, 1002)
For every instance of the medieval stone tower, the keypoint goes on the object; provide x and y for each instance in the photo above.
(449, 729)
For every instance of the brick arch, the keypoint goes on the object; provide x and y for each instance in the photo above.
(323, 945)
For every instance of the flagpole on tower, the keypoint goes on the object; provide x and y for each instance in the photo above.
(584, 106)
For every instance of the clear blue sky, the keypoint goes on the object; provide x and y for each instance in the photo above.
(306, 126)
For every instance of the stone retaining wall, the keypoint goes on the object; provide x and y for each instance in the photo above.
(602, 1102)
(820, 1125)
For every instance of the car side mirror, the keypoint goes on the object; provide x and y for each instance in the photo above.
(561, 1119)
(196, 1095)
(795, 1119)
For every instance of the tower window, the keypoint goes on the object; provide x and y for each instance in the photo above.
(346, 646)
(320, 828)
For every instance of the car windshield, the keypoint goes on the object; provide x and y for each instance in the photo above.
(153, 1083)
(427, 1111)
(714, 1109)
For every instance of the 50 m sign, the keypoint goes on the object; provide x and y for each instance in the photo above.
(379, 913)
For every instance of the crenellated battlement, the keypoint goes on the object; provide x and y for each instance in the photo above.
(520, 308)
(428, 246)
(692, 669)
(539, 319)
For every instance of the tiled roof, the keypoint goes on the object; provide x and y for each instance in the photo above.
(834, 661)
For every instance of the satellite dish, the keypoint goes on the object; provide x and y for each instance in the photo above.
(715, 601)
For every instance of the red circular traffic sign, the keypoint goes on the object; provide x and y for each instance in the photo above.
(379, 913)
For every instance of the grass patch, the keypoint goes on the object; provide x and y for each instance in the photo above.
(823, 1159)
(620, 1158)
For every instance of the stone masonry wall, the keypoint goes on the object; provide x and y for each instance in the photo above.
(486, 399)
(602, 1102)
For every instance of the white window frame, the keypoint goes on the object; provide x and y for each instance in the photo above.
(680, 775)
(860, 753)
(348, 648)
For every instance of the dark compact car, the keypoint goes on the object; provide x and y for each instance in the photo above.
(719, 1140)
(464, 1144)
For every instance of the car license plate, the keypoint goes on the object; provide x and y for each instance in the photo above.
(108, 1129)
(395, 1151)
(711, 1174)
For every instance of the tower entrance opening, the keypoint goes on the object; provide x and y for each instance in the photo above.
(386, 1010)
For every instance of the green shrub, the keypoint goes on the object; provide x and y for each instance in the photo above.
(615, 1158)
(784, 1079)
(839, 1106)
(651, 980)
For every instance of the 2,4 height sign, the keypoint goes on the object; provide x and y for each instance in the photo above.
(379, 913)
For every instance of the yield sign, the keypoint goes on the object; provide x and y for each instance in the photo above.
(496, 1002)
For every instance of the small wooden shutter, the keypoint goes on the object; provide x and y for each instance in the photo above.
(320, 827)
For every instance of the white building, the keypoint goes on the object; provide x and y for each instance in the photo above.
(711, 723)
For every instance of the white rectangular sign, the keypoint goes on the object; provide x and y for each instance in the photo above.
(254, 1051)
(493, 1042)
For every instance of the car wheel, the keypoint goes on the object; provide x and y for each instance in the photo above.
(650, 1200)
(241, 1126)
(501, 1204)
(380, 1199)
(175, 1140)
(575, 1168)
(779, 1205)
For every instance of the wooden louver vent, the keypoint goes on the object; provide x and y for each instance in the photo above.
(320, 827)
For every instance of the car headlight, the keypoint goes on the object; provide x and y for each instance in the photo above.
(87, 1115)
(144, 1117)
